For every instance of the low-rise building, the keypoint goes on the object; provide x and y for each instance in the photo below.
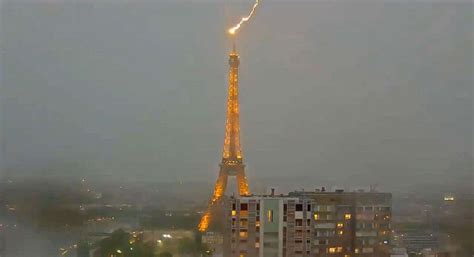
(213, 240)
(399, 252)
(416, 242)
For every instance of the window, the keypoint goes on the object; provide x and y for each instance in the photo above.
(270, 216)
(340, 232)
(244, 207)
(332, 249)
(316, 216)
(347, 216)
(299, 222)
(308, 208)
(299, 207)
(234, 212)
(340, 225)
(368, 250)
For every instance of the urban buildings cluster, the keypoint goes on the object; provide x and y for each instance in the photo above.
(301, 224)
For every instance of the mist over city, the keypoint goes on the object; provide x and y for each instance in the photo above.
(158, 128)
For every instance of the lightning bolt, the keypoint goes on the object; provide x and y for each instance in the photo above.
(234, 29)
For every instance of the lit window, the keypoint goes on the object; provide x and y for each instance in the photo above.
(339, 250)
(270, 216)
(347, 216)
(357, 250)
(340, 232)
(340, 225)
(243, 234)
(234, 212)
(332, 249)
(316, 216)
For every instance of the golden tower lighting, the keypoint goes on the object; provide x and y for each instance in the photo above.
(232, 161)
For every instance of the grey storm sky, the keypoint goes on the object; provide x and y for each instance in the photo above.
(348, 92)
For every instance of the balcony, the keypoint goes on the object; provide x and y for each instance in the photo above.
(325, 225)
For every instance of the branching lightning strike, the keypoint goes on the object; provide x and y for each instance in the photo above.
(234, 29)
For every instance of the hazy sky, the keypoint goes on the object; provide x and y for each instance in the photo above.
(340, 92)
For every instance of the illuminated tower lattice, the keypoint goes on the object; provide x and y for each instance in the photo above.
(232, 162)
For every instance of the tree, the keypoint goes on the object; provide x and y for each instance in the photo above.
(83, 249)
(187, 246)
(123, 244)
(165, 254)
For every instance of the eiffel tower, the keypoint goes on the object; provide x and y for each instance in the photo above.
(232, 162)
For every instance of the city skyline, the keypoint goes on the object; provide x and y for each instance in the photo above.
(354, 117)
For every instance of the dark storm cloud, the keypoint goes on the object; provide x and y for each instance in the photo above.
(336, 92)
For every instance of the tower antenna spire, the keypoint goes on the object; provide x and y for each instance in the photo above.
(234, 49)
